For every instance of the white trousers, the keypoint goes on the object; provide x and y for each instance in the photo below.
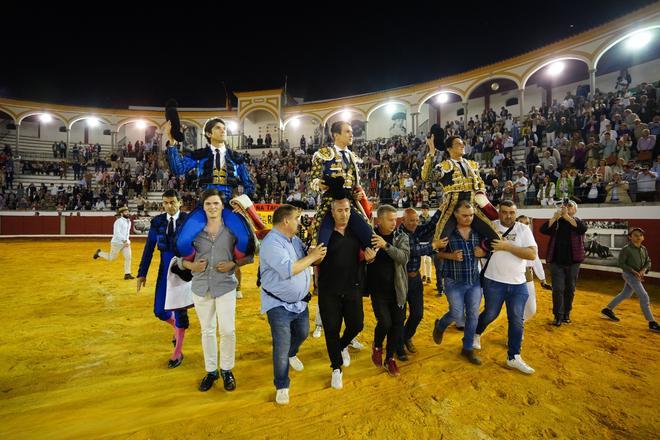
(115, 249)
(530, 305)
(214, 312)
(427, 263)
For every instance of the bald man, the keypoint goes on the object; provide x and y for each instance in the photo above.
(415, 298)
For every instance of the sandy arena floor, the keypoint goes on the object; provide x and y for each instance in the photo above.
(84, 357)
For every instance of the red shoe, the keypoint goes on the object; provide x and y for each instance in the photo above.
(377, 356)
(392, 368)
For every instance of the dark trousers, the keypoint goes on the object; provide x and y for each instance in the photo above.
(389, 323)
(415, 299)
(564, 278)
(437, 262)
(334, 309)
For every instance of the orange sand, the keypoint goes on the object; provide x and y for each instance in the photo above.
(84, 357)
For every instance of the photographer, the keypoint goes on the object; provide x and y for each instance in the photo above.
(565, 253)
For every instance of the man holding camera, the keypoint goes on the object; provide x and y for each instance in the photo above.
(565, 253)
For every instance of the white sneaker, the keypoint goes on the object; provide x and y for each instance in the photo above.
(296, 364)
(520, 365)
(317, 332)
(476, 344)
(282, 396)
(336, 382)
(357, 344)
(239, 294)
(346, 357)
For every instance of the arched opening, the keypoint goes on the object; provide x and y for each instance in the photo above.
(439, 107)
(89, 130)
(43, 136)
(302, 131)
(494, 93)
(356, 118)
(628, 62)
(261, 129)
(137, 137)
(389, 119)
(549, 83)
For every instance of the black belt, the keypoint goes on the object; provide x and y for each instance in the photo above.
(306, 299)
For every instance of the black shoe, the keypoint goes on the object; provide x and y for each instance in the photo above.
(228, 379)
(437, 333)
(96, 254)
(567, 319)
(610, 314)
(175, 363)
(557, 321)
(410, 346)
(469, 354)
(460, 328)
(654, 327)
(128, 276)
(402, 356)
(208, 380)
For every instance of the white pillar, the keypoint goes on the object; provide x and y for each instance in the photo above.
(521, 102)
(415, 123)
(18, 136)
(592, 81)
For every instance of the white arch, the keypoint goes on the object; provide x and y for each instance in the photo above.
(300, 116)
(82, 118)
(187, 122)
(342, 110)
(617, 40)
(120, 124)
(451, 90)
(493, 77)
(540, 66)
(263, 108)
(22, 117)
(385, 103)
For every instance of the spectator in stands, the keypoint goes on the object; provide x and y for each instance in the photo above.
(646, 185)
(617, 190)
(521, 183)
(546, 192)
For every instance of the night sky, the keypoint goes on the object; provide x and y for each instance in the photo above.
(143, 57)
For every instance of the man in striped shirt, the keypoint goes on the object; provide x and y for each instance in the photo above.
(462, 285)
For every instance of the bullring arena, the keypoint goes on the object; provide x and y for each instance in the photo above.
(84, 357)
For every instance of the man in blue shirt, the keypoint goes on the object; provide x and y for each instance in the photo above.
(462, 284)
(285, 282)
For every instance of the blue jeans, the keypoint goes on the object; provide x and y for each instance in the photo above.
(515, 296)
(631, 285)
(462, 297)
(289, 330)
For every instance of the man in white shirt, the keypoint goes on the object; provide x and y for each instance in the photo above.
(120, 242)
(504, 282)
(521, 183)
